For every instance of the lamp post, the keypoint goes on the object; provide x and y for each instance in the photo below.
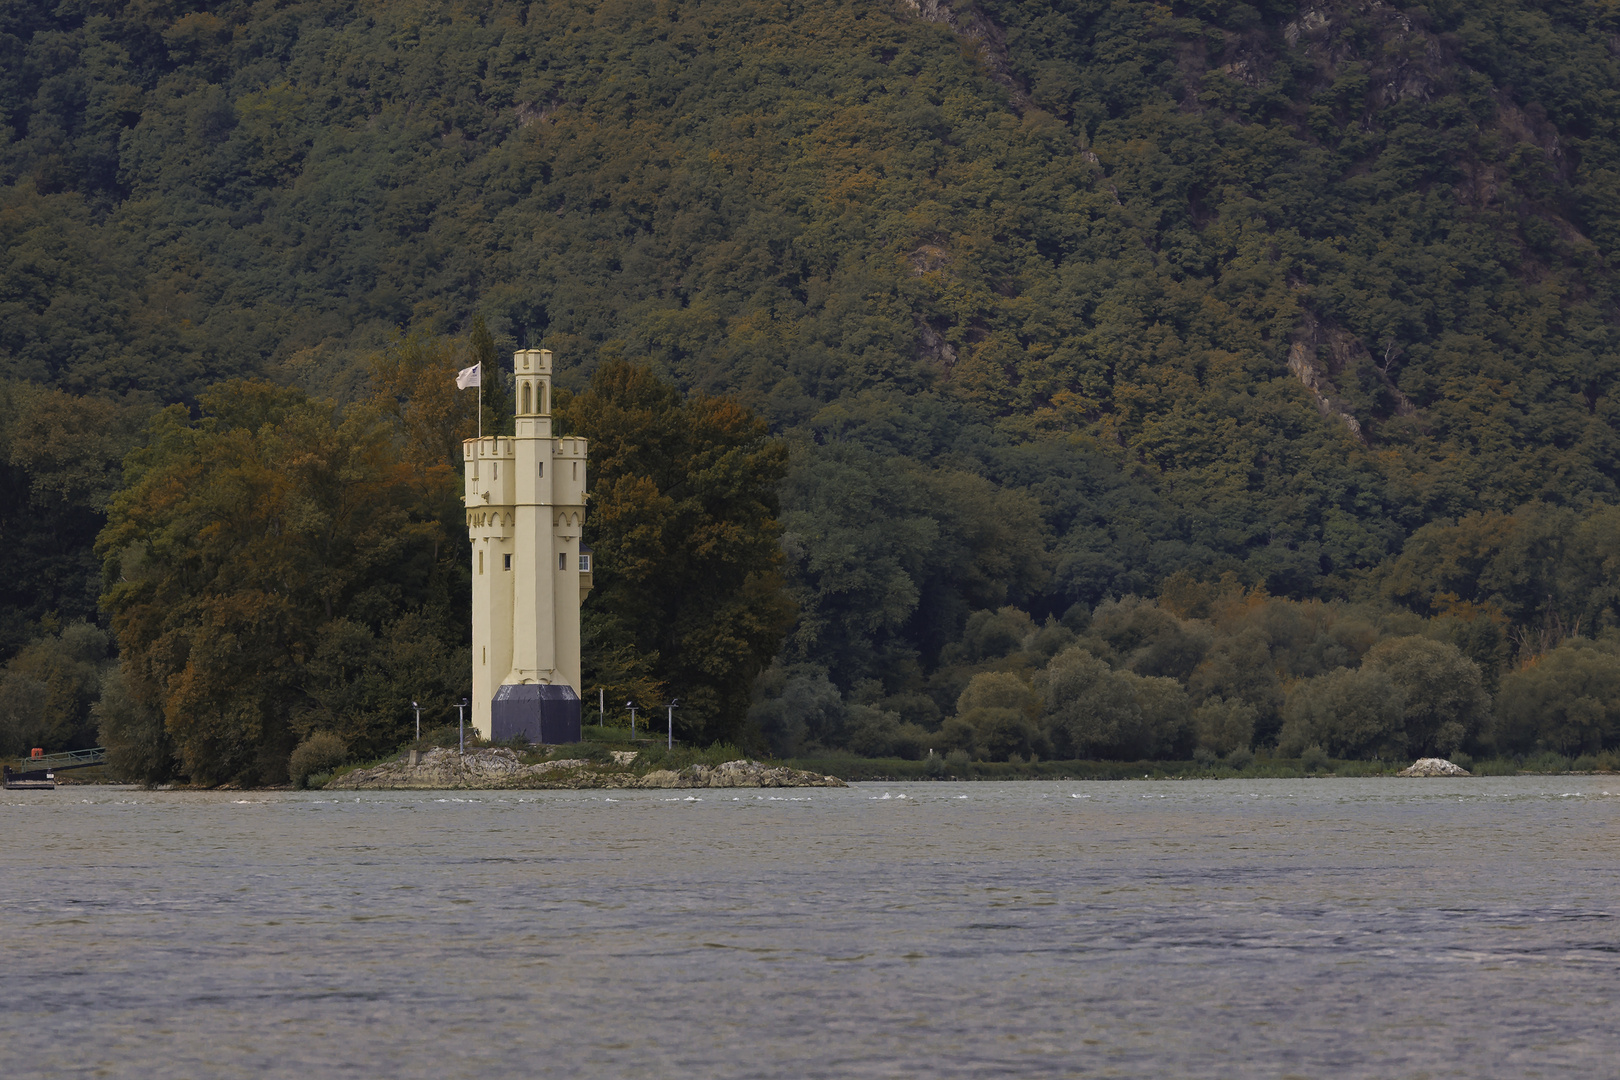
(631, 705)
(418, 709)
(461, 723)
(674, 703)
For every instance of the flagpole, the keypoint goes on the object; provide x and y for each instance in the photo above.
(480, 401)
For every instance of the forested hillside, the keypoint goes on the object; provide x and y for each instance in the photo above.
(1051, 302)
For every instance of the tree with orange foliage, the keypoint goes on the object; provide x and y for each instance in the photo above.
(272, 569)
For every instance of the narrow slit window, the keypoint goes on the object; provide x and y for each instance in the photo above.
(497, 470)
(506, 562)
(542, 470)
(480, 562)
(486, 655)
(525, 397)
(576, 470)
(562, 560)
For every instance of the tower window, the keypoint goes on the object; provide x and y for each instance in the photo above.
(584, 564)
(497, 470)
(542, 470)
(480, 562)
(525, 397)
(542, 396)
(562, 560)
(576, 470)
(506, 562)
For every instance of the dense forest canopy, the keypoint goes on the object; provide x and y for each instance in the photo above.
(1051, 302)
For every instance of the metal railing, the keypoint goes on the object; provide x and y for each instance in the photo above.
(72, 759)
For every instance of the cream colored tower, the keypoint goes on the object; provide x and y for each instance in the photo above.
(525, 499)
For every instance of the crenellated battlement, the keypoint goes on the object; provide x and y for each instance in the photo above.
(490, 446)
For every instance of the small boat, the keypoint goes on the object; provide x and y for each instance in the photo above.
(30, 780)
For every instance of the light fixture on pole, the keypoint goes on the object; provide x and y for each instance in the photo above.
(631, 705)
(461, 723)
(418, 709)
(674, 703)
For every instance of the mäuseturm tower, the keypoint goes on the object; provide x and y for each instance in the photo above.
(525, 506)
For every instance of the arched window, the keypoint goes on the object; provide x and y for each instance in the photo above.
(525, 408)
(542, 395)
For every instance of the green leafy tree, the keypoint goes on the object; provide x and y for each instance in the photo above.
(1567, 700)
(1349, 713)
(1095, 711)
(1224, 726)
(48, 689)
(996, 717)
(683, 526)
(59, 458)
(1445, 705)
(131, 729)
(798, 709)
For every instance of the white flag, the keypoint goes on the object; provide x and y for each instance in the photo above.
(469, 376)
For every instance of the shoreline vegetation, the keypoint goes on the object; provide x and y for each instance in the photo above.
(855, 770)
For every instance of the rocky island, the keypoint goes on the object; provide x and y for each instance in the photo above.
(1433, 766)
(500, 767)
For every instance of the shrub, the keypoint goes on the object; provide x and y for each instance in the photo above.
(1445, 704)
(1545, 762)
(995, 718)
(138, 747)
(1346, 713)
(1567, 700)
(797, 707)
(321, 752)
(1224, 726)
(1094, 711)
(874, 732)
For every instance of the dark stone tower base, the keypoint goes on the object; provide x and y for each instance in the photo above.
(540, 713)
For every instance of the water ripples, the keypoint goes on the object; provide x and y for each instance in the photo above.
(1354, 928)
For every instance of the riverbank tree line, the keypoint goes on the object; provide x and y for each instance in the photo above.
(1216, 672)
(277, 567)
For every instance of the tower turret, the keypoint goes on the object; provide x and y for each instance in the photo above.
(525, 497)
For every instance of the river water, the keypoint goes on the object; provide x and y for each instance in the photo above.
(1312, 928)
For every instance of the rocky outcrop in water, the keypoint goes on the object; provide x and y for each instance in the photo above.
(503, 768)
(1433, 766)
